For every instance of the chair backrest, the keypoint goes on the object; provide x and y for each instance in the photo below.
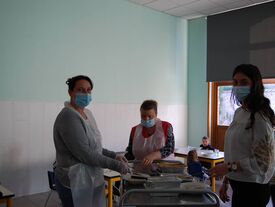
(51, 180)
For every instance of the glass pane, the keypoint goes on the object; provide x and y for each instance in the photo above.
(226, 107)
(269, 92)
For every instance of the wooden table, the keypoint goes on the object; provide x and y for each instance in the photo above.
(212, 158)
(6, 197)
(111, 176)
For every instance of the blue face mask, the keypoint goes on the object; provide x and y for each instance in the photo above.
(82, 99)
(241, 92)
(148, 123)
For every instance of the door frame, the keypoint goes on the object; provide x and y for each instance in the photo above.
(215, 132)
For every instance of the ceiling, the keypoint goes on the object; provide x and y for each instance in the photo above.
(190, 9)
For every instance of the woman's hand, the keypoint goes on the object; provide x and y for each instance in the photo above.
(219, 170)
(125, 168)
(121, 158)
(223, 193)
(149, 159)
(124, 164)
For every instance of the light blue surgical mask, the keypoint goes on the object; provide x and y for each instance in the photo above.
(83, 99)
(148, 123)
(241, 92)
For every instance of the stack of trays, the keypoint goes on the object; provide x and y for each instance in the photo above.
(163, 182)
(172, 167)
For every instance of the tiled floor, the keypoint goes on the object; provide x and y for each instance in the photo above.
(38, 200)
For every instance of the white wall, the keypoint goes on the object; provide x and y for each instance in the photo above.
(116, 121)
(131, 53)
(27, 149)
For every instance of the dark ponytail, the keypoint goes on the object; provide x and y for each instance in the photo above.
(72, 81)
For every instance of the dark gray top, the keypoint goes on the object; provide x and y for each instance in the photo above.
(79, 141)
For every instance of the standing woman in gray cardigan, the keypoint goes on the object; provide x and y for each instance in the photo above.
(80, 158)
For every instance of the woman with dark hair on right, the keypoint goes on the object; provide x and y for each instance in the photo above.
(249, 142)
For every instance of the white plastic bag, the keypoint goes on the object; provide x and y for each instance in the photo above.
(87, 186)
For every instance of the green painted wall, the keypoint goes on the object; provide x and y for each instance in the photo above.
(129, 51)
(197, 85)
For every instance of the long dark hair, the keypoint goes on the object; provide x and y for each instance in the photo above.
(255, 101)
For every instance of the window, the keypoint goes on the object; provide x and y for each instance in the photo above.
(226, 107)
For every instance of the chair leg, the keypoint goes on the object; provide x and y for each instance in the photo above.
(48, 198)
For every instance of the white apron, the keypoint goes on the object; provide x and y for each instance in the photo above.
(87, 186)
(144, 146)
(87, 182)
